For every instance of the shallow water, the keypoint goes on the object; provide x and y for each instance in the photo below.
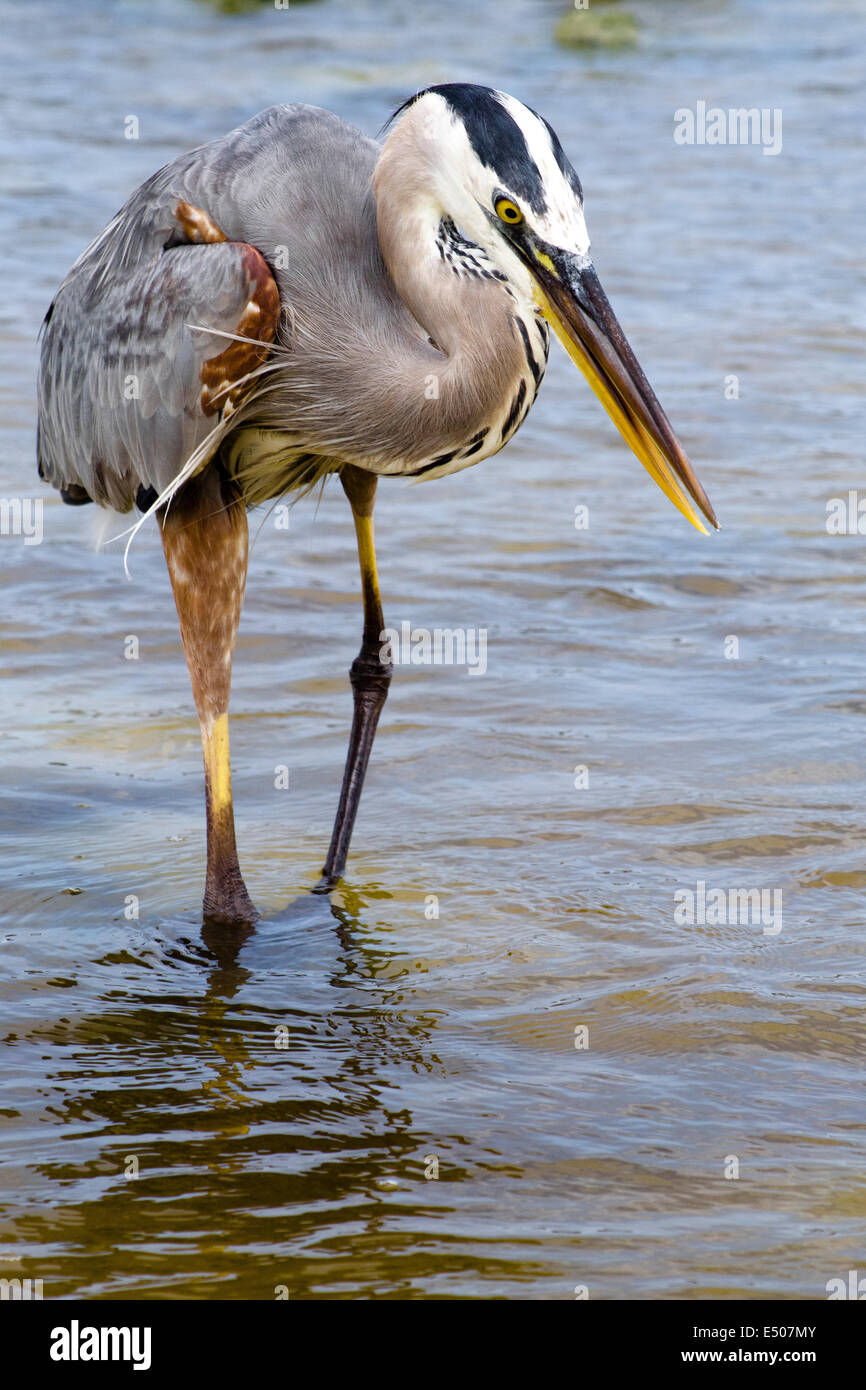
(407, 1037)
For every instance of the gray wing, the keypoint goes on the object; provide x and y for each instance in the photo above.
(130, 385)
(127, 389)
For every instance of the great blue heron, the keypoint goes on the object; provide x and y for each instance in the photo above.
(273, 307)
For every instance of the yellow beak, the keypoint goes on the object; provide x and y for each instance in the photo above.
(571, 298)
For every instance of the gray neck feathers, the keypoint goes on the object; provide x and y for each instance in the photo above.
(461, 307)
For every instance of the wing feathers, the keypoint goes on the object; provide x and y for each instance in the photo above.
(131, 385)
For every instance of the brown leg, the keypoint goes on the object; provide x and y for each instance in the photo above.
(370, 677)
(204, 535)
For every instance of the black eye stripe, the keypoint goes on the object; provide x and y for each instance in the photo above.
(499, 142)
(496, 138)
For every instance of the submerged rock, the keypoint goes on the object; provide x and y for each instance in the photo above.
(582, 29)
(245, 6)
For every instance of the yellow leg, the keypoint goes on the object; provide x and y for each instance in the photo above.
(217, 766)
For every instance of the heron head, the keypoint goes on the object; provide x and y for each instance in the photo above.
(497, 170)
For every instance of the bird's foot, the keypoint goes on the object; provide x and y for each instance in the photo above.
(327, 883)
(228, 904)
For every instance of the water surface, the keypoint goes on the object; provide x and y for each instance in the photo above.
(145, 1042)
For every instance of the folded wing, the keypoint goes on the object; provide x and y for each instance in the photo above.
(137, 372)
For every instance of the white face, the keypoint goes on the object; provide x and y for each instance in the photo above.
(466, 187)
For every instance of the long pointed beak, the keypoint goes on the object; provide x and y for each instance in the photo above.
(571, 298)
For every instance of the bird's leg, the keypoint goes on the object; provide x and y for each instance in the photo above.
(204, 535)
(370, 677)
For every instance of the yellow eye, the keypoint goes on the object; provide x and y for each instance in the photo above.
(508, 212)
